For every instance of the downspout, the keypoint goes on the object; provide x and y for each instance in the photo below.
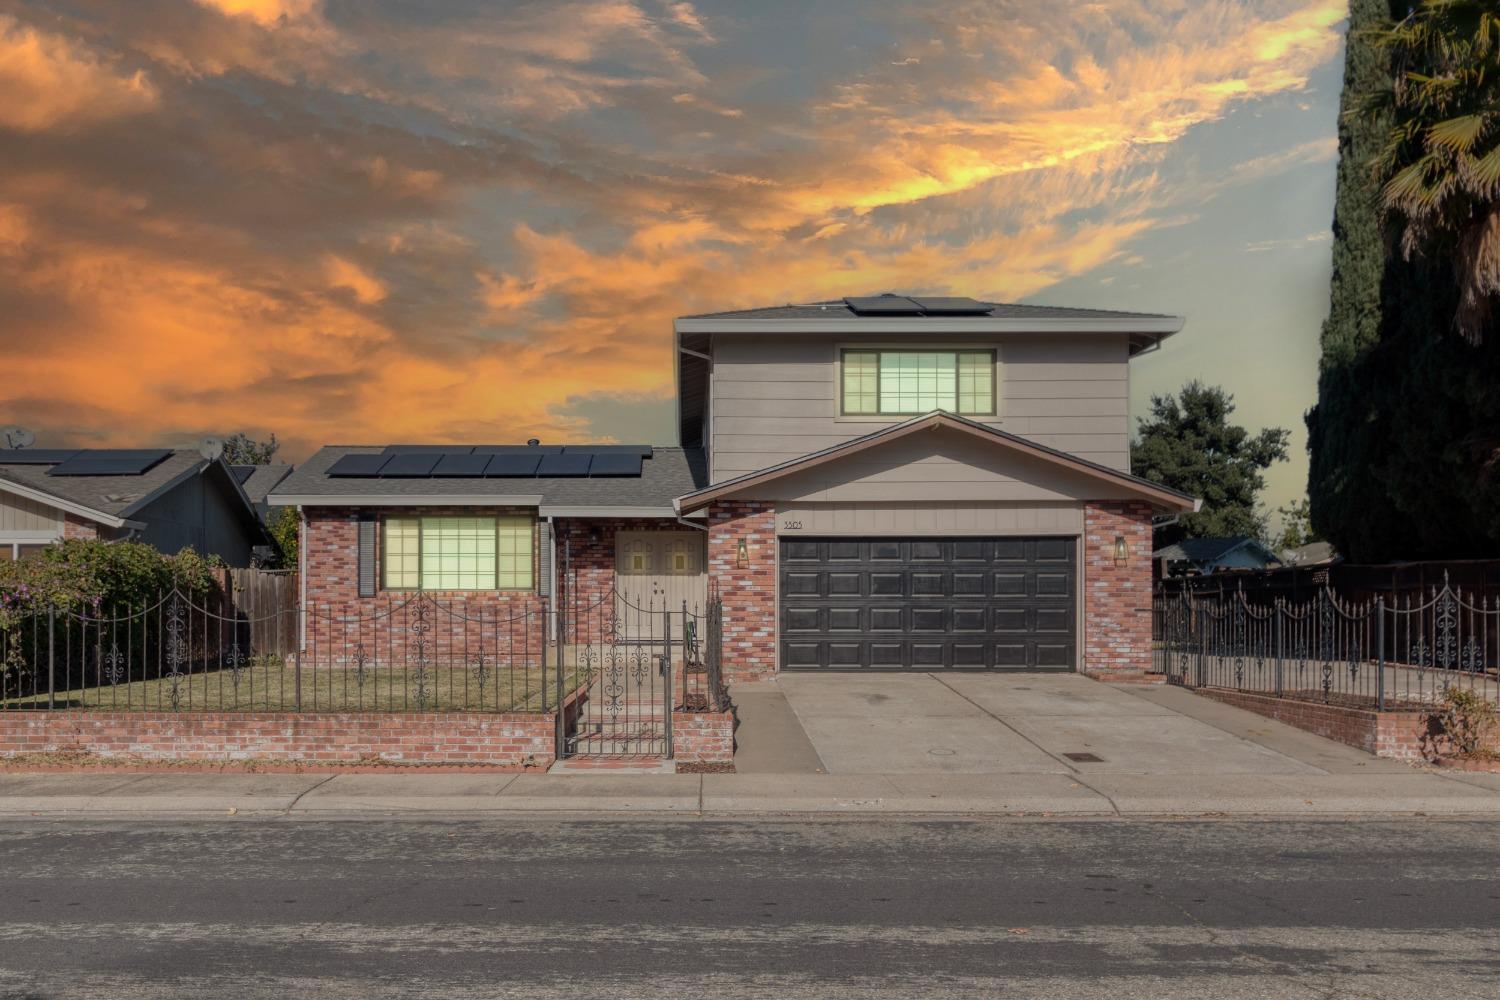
(301, 580)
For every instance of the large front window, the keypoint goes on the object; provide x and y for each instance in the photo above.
(458, 553)
(910, 382)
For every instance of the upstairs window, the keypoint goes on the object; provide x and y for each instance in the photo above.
(903, 383)
(458, 553)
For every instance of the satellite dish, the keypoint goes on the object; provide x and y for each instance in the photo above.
(17, 437)
(211, 448)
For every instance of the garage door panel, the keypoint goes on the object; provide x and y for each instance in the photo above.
(928, 603)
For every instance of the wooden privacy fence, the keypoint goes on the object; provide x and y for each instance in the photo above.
(267, 601)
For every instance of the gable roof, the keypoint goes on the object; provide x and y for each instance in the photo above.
(112, 500)
(1207, 550)
(666, 475)
(1136, 487)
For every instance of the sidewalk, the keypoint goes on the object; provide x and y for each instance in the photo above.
(26, 796)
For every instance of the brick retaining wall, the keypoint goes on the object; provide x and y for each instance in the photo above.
(703, 736)
(1400, 735)
(511, 740)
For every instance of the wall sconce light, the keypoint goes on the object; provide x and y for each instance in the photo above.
(593, 536)
(1122, 551)
(741, 555)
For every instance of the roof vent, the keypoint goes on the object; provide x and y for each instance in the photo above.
(533, 442)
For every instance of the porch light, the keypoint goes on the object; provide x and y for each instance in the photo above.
(741, 555)
(1122, 551)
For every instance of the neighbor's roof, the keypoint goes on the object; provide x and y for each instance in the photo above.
(109, 499)
(259, 480)
(1133, 486)
(666, 475)
(1204, 550)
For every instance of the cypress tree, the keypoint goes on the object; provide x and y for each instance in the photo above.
(1401, 441)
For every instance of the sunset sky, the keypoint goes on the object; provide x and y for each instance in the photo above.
(359, 222)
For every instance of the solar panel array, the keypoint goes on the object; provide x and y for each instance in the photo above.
(110, 462)
(501, 461)
(914, 305)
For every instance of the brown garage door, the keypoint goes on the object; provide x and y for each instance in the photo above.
(928, 603)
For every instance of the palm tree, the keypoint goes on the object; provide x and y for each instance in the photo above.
(1439, 172)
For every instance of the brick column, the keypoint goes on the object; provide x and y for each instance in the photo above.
(749, 593)
(1117, 599)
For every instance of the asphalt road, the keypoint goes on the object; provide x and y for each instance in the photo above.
(662, 909)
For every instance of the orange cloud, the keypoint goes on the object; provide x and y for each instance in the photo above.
(265, 12)
(48, 81)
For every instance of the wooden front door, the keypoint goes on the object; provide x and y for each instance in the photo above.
(657, 571)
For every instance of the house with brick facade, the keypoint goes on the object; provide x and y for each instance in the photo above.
(168, 499)
(876, 483)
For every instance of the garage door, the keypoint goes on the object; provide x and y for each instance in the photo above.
(927, 603)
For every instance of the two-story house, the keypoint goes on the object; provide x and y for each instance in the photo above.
(878, 483)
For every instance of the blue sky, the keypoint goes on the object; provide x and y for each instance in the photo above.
(348, 221)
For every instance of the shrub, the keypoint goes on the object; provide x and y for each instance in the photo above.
(1465, 722)
(89, 574)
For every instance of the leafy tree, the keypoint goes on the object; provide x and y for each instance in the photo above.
(1296, 526)
(284, 527)
(242, 449)
(1439, 167)
(1402, 443)
(1189, 444)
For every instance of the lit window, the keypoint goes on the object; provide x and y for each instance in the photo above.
(910, 382)
(458, 553)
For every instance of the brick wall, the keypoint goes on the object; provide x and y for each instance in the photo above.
(749, 594)
(586, 552)
(1116, 599)
(703, 736)
(1402, 735)
(76, 527)
(496, 740)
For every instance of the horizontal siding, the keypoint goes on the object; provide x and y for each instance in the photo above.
(24, 516)
(794, 519)
(776, 400)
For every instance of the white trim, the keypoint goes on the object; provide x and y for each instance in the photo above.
(376, 500)
(921, 325)
(53, 500)
(31, 537)
(556, 511)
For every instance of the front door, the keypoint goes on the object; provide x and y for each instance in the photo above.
(658, 571)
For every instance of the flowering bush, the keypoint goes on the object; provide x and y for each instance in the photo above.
(90, 575)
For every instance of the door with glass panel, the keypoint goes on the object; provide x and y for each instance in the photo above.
(657, 571)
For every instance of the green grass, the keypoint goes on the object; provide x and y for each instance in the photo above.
(270, 685)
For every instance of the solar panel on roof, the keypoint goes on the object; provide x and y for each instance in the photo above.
(616, 465)
(951, 305)
(443, 449)
(110, 462)
(512, 464)
(513, 449)
(409, 465)
(883, 305)
(564, 465)
(359, 466)
(36, 456)
(461, 464)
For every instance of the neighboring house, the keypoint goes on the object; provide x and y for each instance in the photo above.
(258, 481)
(166, 499)
(1203, 556)
(876, 483)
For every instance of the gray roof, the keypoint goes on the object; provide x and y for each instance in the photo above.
(261, 480)
(838, 309)
(1205, 550)
(113, 495)
(666, 475)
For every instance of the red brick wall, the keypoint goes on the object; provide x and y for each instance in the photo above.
(1401, 735)
(505, 740)
(76, 527)
(1116, 599)
(703, 736)
(749, 594)
(586, 552)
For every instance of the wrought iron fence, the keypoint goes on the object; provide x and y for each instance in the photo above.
(634, 664)
(1402, 654)
(196, 652)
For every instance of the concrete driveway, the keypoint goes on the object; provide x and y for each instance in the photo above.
(956, 723)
